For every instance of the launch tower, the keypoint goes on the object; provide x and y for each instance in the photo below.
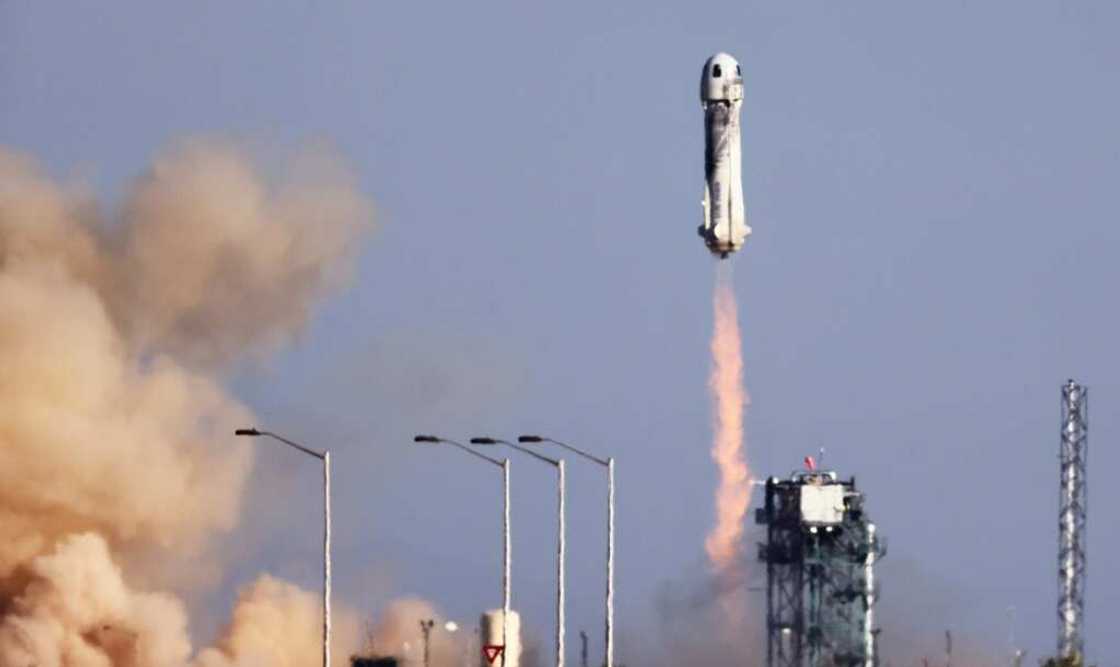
(820, 554)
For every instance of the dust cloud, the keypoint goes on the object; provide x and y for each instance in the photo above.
(116, 330)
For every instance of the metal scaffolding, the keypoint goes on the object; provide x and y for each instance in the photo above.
(820, 553)
(1071, 519)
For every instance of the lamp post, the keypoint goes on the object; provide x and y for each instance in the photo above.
(607, 463)
(426, 626)
(504, 465)
(559, 465)
(325, 457)
(426, 630)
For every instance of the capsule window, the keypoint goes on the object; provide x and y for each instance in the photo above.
(738, 72)
(716, 71)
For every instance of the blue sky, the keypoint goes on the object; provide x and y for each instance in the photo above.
(932, 189)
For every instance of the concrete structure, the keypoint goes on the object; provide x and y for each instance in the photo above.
(490, 625)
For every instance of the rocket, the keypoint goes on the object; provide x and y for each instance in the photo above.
(721, 95)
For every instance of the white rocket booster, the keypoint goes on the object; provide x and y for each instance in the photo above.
(721, 95)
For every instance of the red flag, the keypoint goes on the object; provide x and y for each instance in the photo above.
(810, 464)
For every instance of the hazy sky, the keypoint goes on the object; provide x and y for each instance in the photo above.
(933, 193)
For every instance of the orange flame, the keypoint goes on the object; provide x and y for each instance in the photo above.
(724, 542)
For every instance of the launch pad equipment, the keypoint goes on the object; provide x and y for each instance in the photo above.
(374, 661)
(820, 554)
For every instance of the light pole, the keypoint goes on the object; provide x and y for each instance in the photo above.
(504, 465)
(426, 630)
(426, 626)
(325, 457)
(607, 463)
(559, 465)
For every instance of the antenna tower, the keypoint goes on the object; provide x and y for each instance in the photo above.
(1071, 519)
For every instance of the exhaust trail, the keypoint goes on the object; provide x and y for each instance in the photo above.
(729, 399)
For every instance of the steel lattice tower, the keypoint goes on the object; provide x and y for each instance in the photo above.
(1071, 519)
(820, 555)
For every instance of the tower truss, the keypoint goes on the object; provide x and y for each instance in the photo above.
(820, 553)
(1072, 513)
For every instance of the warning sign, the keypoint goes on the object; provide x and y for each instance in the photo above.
(492, 651)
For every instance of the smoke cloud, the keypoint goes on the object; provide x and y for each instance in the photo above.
(397, 633)
(270, 627)
(214, 262)
(115, 429)
(75, 609)
(694, 629)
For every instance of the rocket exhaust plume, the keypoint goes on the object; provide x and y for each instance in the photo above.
(729, 398)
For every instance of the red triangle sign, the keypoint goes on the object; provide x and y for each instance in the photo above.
(492, 651)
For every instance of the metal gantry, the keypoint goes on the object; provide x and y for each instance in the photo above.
(820, 553)
(1072, 509)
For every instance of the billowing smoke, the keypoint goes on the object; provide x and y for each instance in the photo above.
(273, 624)
(75, 609)
(214, 263)
(115, 444)
(695, 627)
(724, 542)
(397, 633)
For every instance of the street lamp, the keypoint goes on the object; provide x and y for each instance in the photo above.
(607, 463)
(325, 457)
(426, 629)
(504, 465)
(559, 465)
(426, 626)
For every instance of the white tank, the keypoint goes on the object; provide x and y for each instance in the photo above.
(491, 635)
(721, 94)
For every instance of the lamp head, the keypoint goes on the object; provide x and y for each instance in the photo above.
(530, 438)
(247, 431)
(426, 438)
(483, 441)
